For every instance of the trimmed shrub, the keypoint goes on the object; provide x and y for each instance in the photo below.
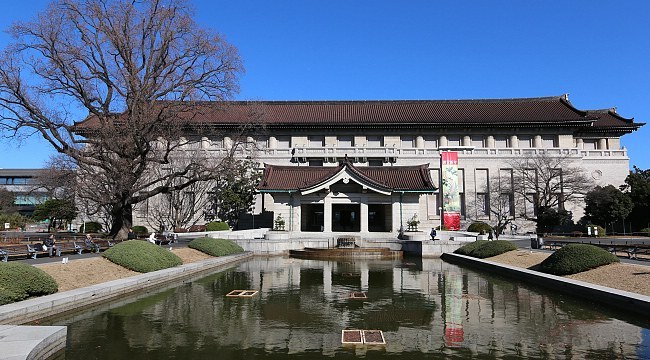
(215, 247)
(142, 256)
(20, 281)
(216, 226)
(92, 227)
(468, 248)
(140, 230)
(479, 226)
(645, 232)
(575, 258)
(492, 248)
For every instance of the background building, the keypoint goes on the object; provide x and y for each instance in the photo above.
(487, 134)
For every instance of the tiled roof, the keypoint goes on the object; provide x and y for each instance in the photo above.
(463, 112)
(610, 118)
(393, 178)
(541, 111)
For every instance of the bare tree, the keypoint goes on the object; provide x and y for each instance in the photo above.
(179, 208)
(545, 181)
(136, 68)
(57, 180)
(495, 204)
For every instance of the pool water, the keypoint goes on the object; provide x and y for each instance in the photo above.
(426, 309)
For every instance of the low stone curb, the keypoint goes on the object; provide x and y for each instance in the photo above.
(623, 300)
(31, 342)
(40, 342)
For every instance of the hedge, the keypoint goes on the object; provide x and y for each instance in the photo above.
(492, 248)
(468, 248)
(479, 226)
(216, 226)
(215, 247)
(19, 281)
(140, 230)
(142, 256)
(575, 258)
(92, 227)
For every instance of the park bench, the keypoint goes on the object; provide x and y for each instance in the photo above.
(103, 244)
(36, 249)
(67, 247)
(637, 249)
(14, 251)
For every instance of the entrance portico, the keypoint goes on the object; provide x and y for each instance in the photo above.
(345, 198)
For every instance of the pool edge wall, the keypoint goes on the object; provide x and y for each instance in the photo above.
(623, 300)
(45, 306)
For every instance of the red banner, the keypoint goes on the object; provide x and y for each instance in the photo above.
(450, 190)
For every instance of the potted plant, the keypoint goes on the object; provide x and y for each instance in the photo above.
(278, 224)
(412, 223)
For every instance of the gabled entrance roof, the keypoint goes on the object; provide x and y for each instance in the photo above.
(381, 179)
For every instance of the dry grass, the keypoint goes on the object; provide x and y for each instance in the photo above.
(627, 277)
(85, 272)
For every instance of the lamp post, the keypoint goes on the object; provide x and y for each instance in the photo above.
(440, 211)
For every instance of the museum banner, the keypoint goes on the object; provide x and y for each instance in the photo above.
(450, 190)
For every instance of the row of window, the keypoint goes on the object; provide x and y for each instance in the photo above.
(429, 141)
(15, 180)
(405, 142)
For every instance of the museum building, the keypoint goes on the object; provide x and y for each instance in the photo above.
(374, 166)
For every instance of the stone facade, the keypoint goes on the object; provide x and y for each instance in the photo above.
(487, 134)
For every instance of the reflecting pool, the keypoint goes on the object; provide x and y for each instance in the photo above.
(427, 309)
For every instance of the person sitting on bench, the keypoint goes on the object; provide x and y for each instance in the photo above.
(49, 245)
(88, 241)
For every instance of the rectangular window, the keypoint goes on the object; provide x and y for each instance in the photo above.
(477, 141)
(453, 140)
(346, 141)
(525, 142)
(483, 204)
(500, 142)
(284, 142)
(375, 141)
(548, 141)
(375, 162)
(315, 162)
(589, 144)
(262, 142)
(316, 141)
(408, 142)
(430, 141)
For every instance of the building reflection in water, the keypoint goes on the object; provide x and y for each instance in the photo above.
(426, 308)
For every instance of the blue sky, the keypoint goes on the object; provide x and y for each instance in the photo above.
(597, 51)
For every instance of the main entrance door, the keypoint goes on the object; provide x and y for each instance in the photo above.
(346, 217)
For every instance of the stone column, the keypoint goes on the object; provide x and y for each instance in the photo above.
(602, 144)
(327, 213)
(537, 141)
(514, 141)
(273, 142)
(489, 143)
(419, 142)
(467, 140)
(443, 141)
(580, 144)
(363, 217)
